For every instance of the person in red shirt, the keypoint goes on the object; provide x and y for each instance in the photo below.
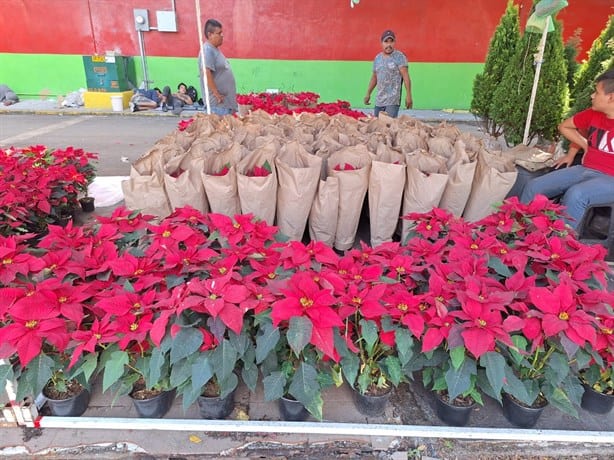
(592, 182)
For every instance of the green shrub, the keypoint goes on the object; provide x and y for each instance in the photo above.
(511, 99)
(500, 51)
(600, 58)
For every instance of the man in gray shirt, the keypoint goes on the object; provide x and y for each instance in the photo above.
(389, 73)
(220, 79)
(7, 95)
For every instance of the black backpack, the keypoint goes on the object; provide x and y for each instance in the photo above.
(191, 91)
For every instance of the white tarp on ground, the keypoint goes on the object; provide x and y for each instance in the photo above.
(107, 190)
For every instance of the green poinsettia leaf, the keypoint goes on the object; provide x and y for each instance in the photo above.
(299, 333)
(274, 386)
(499, 266)
(186, 342)
(113, 364)
(267, 166)
(559, 399)
(240, 342)
(404, 345)
(495, 365)
(250, 377)
(306, 389)
(458, 381)
(86, 366)
(228, 385)
(34, 378)
(557, 369)
(6, 375)
(266, 341)
(181, 372)
(457, 356)
(370, 334)
(174, 281)
(154, 369)
(224, 359)
(394, 369)
(485, 386)
(350, 364)
(525, 392)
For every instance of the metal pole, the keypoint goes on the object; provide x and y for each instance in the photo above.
(538, 66)
(143, 59)
(203, 75)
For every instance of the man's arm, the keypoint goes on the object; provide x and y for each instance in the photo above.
(213, 87)
(568, 129)
(409, 103)
(372, 84)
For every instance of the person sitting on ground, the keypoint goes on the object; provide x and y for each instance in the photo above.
(146, 99)
(7, 95)
(176, 101)
(592, 182)
(182, 94)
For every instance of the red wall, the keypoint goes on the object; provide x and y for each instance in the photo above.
(427, 30)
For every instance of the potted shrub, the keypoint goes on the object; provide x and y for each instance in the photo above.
(597, 378)
(141, 371)
(56, 176)
(294, 370)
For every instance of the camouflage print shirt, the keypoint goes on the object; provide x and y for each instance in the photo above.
(389, 79)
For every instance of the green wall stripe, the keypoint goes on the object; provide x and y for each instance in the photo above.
(434, 85)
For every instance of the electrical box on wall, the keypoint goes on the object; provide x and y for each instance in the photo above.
(141, 19)
(167, 21)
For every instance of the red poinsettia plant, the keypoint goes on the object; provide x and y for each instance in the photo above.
(510, 303)
(39, 185)
(288, 103)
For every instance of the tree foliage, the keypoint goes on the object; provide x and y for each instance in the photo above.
(512, 97)
(600, 58)
(500, 51)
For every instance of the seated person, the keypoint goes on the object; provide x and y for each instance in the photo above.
(7, 95)
(177, 100)
(146, 99)
(592, 182)
(182, 94)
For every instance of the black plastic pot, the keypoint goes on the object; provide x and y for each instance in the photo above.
(155, 407)
(596, 402)
(371, 405)
(292, 410)
(451, 414)
(215, 407)
(519, 414)
(87, 203)
(74, 406)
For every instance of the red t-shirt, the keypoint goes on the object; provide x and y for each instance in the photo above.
(600, 135)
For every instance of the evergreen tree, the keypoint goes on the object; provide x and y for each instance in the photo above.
(512, 97)
(600, 58)
(500, 51)
(572, 49)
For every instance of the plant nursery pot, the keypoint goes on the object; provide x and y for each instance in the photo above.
(371, 405)
(451, 414)
(215, 407)
(154, 407)
(73, 406)
(292, 410)
(593, 401)
(87, 203)
(63, 220)
(519, 414)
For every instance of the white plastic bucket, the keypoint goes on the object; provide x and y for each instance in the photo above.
(117, 103)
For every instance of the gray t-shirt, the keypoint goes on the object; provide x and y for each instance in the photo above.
(222, 76)
(389, 78)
